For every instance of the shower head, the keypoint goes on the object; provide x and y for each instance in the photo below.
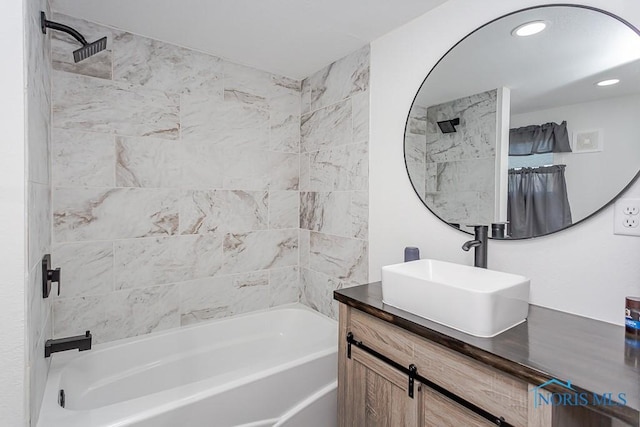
(87, 49)
(448, 126)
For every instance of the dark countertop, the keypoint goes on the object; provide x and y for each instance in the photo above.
(595, 356)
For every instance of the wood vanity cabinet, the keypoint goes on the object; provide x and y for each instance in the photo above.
(372, 392)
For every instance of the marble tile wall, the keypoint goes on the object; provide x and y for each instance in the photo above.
(334, 175)
(176, 179)
(38, 116)
(460, 166)
(415, 148)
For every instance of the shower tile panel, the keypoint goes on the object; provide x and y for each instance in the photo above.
(39, 309)
(120, 314)
(285, 95)
(284, 132)
(258, 88)
(98, 214)
(154, 64)
(284, 286)
(305, 96)
(202, 164)
(38, 101)
(223, 211)
(260, 250)
(305, 166)
(360, 107)
(97, 105)
(305, 247)
(327, 212)
(340, 168)
(247, 85)
(87, 268)
(341, 79)
(38, 222)
(62, 46)
(334, 175)
(328, 127)
(317, 291)
(359, 213)
(148, 162)
(203, 118)
(246, 168)
(339, 257)
(82, 159)
(148, 262)
(225, 296)
(199, 195)
(284, 209)
(283, 171)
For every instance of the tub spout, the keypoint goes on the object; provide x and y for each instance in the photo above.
(81, 342)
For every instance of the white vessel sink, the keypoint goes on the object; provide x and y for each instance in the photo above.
(473, 300)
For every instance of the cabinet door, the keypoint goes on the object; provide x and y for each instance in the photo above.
(437, 410)
(377, 394)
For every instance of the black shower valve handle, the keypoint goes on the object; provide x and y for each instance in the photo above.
(54, 277)
(49, 276)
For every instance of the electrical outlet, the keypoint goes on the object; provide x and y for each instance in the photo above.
(631, 210)
(627, 217)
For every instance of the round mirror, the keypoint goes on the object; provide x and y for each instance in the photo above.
(532, 121)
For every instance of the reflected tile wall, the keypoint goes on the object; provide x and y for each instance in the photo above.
(459, 171)
(334, 177)
(176, 178)
(415, 151)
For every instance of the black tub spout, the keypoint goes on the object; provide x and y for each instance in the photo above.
(81, 342)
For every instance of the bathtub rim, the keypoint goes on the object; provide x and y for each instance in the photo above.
(63, 358)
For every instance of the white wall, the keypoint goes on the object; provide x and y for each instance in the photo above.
(584, 270)
(594, 178)
(12, 218)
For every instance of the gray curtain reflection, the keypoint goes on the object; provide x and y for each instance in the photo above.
(538, 139)
(537, 201)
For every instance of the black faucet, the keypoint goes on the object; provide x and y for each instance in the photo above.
(81, 342)
(479, 242)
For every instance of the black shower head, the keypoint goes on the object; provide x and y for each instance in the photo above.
(87, 49)
(448, 126)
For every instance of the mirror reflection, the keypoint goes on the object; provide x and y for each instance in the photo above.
(532, 120)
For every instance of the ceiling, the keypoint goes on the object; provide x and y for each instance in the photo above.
(558, 66)
(293, 38)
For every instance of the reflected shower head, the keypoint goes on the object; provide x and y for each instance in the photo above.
(87, 49)
(448, 126)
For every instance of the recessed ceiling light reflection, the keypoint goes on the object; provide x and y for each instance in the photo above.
(608, 82)
(529, 29)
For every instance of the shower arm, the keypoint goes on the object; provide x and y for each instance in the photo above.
(44, 23)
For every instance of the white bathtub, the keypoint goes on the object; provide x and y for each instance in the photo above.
(269, 368)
